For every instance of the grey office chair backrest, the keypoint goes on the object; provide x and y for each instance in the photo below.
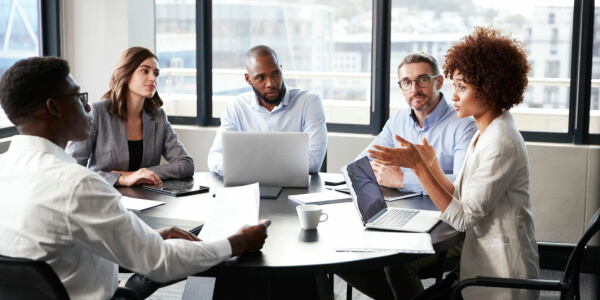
(572, 270)
(29, 279)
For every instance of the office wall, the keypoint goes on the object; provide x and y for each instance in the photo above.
(95, 34)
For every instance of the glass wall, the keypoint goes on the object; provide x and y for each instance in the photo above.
(323, 46)
(595, 92)
(19, 36)
(546, 29)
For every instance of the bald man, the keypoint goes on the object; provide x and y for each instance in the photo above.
(272, 107)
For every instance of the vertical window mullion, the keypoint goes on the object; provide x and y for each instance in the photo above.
(50, 28)
(380, 64)
(204, 62)
(584, 79)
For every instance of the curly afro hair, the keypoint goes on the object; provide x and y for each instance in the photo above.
(496, 65)
(28, 83)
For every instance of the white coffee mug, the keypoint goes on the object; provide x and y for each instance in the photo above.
(310, 215)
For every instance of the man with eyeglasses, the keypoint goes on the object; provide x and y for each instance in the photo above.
(54, 210)
(428, 116)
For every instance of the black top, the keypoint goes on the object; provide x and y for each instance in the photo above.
(136, 151)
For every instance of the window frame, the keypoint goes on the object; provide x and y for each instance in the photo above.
(50, 36)
(580, 88)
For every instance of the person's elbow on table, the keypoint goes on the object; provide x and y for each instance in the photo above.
(249, 238)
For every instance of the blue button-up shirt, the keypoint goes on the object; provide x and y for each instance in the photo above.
(299, 111)
(449, 135)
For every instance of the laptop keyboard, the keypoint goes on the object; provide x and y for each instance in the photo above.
(396, 217)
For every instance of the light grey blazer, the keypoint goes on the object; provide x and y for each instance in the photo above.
(106, 148)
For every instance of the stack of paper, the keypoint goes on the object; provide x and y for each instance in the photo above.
(376, 241)
(326, 197)
(234, 207)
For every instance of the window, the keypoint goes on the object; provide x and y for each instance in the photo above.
(325, 46)
(418, 26)
(176, 51)
(19, 36)
(594, 124)
(322, 46)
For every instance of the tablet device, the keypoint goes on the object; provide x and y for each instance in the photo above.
(178, 187)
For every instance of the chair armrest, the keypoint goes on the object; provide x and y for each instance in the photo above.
(529, 284)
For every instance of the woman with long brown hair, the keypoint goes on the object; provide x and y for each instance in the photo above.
(130, 130)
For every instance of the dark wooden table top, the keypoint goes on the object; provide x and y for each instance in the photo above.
(289, 250)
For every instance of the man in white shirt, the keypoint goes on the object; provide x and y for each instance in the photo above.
(54, 210)
(272, 107)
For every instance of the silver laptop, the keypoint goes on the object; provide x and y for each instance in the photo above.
(372, 207)
(278, 159)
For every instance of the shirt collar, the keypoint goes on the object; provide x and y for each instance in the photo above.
(438, 112)
(39, 144)
(255, 103)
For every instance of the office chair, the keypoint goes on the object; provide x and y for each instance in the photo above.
(29, 279)
(22, 278)
(441, 289)
(324, 164)
(568, 285)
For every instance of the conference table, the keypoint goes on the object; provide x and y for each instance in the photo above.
(290, 255)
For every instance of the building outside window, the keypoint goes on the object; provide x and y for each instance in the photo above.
(19, 36)
(325, 46)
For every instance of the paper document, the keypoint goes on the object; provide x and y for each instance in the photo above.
(326, 197)
(234, 207)
(374, 241)
(139, 204)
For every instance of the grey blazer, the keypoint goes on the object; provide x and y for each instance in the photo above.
(106, 148)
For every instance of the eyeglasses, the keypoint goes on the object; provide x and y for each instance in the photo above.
(83, 97)
(422, 82)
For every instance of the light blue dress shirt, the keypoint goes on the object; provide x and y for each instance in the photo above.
(449, 135)
(299, 111)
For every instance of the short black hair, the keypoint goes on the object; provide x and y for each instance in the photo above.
(258, 51)
(28, 83)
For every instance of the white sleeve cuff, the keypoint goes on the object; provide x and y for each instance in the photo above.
(223, 248)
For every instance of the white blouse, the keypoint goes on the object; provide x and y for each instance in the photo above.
(491, 204)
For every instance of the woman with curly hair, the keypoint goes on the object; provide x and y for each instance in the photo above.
(490, 198)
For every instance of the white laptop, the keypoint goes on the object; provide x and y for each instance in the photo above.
(372, 207)
(278, 159)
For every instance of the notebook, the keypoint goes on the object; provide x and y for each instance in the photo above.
(389, 194)
(277, 159)
(372, 207)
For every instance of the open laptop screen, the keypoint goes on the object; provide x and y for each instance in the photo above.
(369, 199)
